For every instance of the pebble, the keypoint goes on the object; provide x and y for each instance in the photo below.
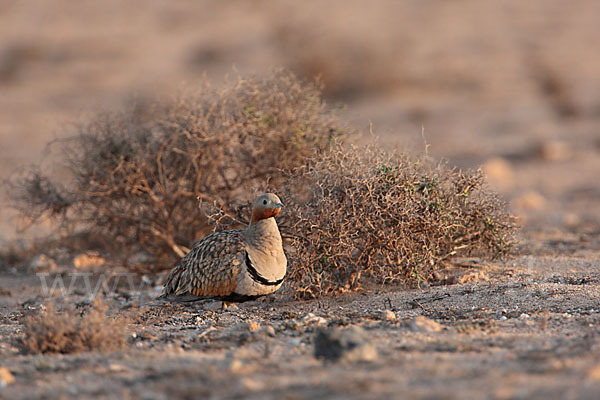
(43, 263)
(6, 378)
(424, 324)
(88, 260)
(312, 319)
(235, 365)
(269, 331)
(350, 344)
(116, 368)
(388, 315)
(293, 324)
(253, 326)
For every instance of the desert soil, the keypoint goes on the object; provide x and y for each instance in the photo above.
(511, 86)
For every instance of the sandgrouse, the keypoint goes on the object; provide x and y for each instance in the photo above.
(236, 265)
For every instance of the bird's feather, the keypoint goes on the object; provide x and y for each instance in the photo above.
(210, 269)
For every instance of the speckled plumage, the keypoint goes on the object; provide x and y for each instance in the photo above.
(235, 265)
(210, 268)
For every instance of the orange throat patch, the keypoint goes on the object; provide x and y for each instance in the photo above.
(265, 213)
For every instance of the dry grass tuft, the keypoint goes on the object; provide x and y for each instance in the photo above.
(135, 176)
(69, 331)
(364, 213)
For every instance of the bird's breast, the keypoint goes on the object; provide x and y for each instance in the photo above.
(263, 274)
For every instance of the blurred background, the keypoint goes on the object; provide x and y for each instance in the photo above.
(513, 86)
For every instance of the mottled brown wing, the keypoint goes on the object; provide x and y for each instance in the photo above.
(210, 269)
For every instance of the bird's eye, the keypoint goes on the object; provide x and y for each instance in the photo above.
(265, 202)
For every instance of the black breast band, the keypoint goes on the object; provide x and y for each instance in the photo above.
(256, 277)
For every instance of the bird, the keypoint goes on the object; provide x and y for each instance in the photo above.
(233, 266)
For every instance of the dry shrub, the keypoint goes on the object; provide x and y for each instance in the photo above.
(356, 213)
(351, 213)
(69, 331)
(135, 176)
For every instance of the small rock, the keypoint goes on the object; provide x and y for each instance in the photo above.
(501, 314)
(116, 368)
(289, 315)
(235, 365)
(88, 260)
(293, 324)
(478, 276)
(6, 378)
(43, 263)
(253, 326)
(424, 324)
(312, 319)
(524, 315)
(269, 331)
(350, 344)
(388, 315)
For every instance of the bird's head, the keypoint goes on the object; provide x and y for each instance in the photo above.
(266, 206)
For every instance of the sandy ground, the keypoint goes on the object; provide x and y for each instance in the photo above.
(511, 86)
(526, 329)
